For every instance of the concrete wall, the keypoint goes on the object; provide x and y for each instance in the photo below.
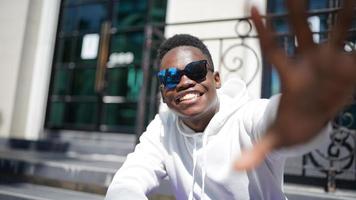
(13, 18)
(26, 53)
(35, 69)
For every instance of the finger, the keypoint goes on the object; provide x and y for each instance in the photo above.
(252, 158)
(343, 23)
(299, 24)
(274, 54)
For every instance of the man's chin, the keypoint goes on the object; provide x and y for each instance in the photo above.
(191, 114)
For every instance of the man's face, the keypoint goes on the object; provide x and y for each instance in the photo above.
(190, 99)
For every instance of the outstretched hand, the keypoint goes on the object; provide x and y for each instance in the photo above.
(316, 84)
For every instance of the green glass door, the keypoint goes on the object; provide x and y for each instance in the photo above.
(96, 72)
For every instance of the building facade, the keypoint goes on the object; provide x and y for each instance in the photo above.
(88, 66)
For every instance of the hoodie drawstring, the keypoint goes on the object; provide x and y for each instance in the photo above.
(203, 166)
(191, 194)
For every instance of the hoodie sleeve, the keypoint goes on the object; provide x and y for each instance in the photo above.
(262, 122)
(142, 170)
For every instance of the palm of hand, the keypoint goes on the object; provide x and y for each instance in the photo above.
(315, 85)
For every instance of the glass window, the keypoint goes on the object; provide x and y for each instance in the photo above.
(120, 114)
(87, 21)
(65, 50)
(84, 81)
(158, 12)
(80, 17)
(134, 83)
(61, 81)
(81, 113)
(117, 81)
(80, 2)
(56, 115)
(130, 42)
(129, 13)
(124, 81)
(69, 20)
(74, 103)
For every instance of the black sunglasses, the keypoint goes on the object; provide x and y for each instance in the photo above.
(196, 71)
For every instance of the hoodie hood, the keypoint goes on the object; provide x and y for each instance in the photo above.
(232, 96)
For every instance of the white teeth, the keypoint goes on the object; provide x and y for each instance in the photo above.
(189, 96)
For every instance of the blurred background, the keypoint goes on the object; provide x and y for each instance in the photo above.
(78, 87)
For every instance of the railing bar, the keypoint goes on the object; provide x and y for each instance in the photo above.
(310, 13)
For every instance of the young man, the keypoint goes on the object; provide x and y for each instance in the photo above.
(207, 126)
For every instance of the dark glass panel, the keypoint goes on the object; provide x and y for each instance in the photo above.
(61, 81)
(117, 81)
(65, 50)
(78, 2)
(56, 115)
(124, 81)
(91, 16)
(129, 13)
(128, 42)
(318, 4)
(83, 18)
(120, 114)
(347, 116)
(275, 82)
(158, 12)
(134, 83)
(69, 19)
(83, 81)
(82, 113)
(276, 6)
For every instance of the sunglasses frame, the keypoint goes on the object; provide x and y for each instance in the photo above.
(170, 77)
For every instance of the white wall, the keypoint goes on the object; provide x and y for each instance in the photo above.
(25, 70)
(35, 69)
(13, 15)
(198, 10)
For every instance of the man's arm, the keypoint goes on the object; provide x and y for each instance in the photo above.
(263, 122)
(315, 85)
(142, 170)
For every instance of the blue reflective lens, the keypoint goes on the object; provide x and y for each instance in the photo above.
(170, 77)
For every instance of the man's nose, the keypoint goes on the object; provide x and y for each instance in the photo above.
(184, 83)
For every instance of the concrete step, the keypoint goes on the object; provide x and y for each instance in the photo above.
(79, 168)
(79, 142)
(88, 173)
(97, 143)
(305, 192)
(28, 191)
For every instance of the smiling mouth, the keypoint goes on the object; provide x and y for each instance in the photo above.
(188, 97)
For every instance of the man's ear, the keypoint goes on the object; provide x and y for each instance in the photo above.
(217, 80)
(161, 88)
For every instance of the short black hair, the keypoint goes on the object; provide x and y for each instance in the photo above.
(183, 40)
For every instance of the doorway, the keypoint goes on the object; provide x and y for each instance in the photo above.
(96, 72)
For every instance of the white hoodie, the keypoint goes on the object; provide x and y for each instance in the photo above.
(199, 165)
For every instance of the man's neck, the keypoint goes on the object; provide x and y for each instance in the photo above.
(199, 124)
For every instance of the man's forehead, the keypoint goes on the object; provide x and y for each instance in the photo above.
(181, 56)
